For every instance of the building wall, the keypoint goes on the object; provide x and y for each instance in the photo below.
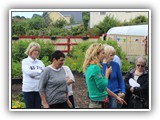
(57, 16)
(67, 18)
(97, 17)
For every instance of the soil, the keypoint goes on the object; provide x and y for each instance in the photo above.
(79, 88)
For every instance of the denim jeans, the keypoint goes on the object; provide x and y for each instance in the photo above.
(113, 104)
(32, 100)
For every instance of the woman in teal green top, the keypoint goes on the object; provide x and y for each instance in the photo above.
(96, 81)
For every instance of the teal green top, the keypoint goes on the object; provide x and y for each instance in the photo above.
(96, 83)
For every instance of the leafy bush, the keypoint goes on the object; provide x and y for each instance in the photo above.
(46, 61)
(17, 104)
(18, 101)
(18, 49)
(77, 55)
(126, 65)
(20, 46)
(16, 69)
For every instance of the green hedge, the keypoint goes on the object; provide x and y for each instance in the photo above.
(18, 49)
(76, 58)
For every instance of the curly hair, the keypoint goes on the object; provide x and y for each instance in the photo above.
(91, 56)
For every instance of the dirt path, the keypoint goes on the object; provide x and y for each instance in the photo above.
(80, 92)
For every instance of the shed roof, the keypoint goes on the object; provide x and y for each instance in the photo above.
(136, 30)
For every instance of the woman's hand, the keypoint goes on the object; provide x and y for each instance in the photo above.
(121, 95)
(132, 89)
(108, 71)
(120, 100)
(69, 103)
(45, 105)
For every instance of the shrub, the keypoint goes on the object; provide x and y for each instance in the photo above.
(16, 69)
(17, 104)
(77, 55)
(46, 61)
(18, 101)
(20, 46)
(18, 49)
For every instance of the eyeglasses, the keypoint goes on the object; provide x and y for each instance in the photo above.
(140, 65)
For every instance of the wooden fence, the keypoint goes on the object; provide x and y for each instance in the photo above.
(62, 43)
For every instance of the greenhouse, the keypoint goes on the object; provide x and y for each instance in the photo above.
(132, 39)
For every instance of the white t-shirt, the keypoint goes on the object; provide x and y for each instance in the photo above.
(31, 70)
(70, 75)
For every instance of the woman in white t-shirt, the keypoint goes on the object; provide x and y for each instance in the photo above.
(32, 69)
(70, 80)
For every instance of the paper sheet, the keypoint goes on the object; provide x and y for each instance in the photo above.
(133, 83)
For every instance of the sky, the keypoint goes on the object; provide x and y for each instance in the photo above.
(26, 14)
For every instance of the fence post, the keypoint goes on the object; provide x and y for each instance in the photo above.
(68, 44)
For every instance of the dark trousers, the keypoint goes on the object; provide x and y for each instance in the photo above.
(32, 100)
(59, 105)
(71, 98)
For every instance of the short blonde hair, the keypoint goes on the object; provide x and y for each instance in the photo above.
(108, 49)
(92, 55)
(31, 47)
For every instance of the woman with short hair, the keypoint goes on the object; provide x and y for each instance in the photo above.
(137, 83)
(32, 68)
(116, 82)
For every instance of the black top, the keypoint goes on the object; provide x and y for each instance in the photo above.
(142, 91)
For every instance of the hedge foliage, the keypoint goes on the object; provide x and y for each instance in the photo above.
(18, 49)
(76, 58)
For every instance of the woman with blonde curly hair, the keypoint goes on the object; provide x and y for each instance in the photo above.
(95, 80)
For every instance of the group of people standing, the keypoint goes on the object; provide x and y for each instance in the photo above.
(105, 83)
(51, 86)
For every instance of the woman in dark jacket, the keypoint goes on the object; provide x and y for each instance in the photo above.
(137, 84)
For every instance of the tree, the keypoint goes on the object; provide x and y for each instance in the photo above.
(108, 22)
(19, 28)
(85, 18)
(37, 23)
(36, 15)
(59, 23)
(139, 20)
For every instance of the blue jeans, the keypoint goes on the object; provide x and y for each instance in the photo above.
(113, 104)
(32, 100)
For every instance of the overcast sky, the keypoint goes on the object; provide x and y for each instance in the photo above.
(26, 14)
